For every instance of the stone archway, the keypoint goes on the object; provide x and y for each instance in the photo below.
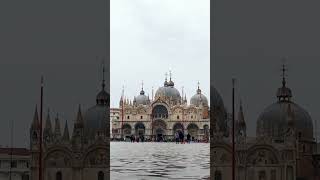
(127, 130)
(140, 129)
(178, 127)
(160, 128)
(160, 112)
(193, 130)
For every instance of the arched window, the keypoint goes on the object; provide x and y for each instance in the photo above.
(141, 117)
(128, 117)
(178, 117)
(100, 175)
(217, 175)
(59, 176)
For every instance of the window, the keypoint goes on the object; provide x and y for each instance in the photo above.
(141, 117)
(118, 117)
(191, 117)
(59, 176)
(128, 117)
(178, 117)
(14, 164)
(100, 175)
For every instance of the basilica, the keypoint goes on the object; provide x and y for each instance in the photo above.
(81, 155)
(284, 147)
(158, 118)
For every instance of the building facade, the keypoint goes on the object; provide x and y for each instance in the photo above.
(160, 117)
(81, 156)
(14, 163)
(284, 147)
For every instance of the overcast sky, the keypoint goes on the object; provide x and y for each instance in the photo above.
(251, 37)
(59, 40)
(148, 37)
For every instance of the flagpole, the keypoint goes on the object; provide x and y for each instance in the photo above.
(11, 150)
(233, 123)
(122, 112)
(40, 141)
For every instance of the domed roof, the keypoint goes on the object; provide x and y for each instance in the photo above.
(218, 112)
(274, 121)
(199, 98)
(142, 99)
(95, 119)
(169, 92)
(215, 98)
(283, 115)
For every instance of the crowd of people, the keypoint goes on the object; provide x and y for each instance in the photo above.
(179, 137)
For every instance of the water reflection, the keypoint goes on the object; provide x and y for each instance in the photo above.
(145, 161)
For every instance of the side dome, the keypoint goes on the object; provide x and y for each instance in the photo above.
(218, 113)
(142, 99)
(216, 100)
(199, 99)
(96, 119)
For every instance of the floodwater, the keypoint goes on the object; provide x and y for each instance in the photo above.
(159, 161)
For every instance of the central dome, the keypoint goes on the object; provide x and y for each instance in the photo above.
(279, 118)
(274, 120)
(168, 91)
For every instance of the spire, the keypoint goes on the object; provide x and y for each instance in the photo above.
(171, 83)
(284, 93)
(103, 74)
(166, 79)
(48, 126)
(35, 123)
(241, 116)
(283, 75)
(57, 130)
(142, 91)
(198, 90)
(47, 133)
(66, 136)
(79, 120)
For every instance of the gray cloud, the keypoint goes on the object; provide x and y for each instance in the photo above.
(149, 37)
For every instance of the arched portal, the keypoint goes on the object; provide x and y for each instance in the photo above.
(160, 112)
(140, 129)
(160, 128)
(178, 127)
(193, 130)
(126, 130)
